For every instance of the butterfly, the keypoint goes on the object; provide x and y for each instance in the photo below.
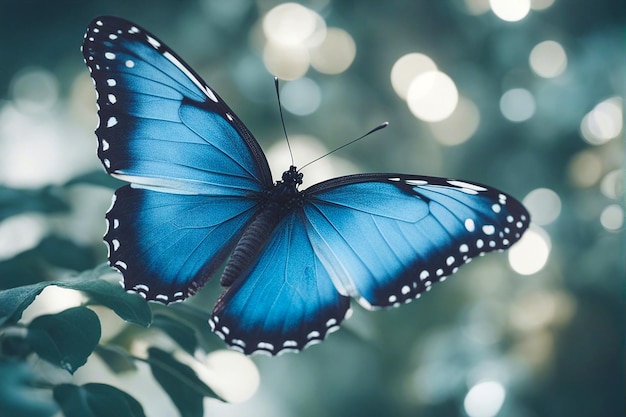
(201, 195)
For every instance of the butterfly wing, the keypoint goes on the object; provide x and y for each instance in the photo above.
(385, 239)
(193, 166)
(286, 300)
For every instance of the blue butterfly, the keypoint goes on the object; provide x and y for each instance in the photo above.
(201, 195)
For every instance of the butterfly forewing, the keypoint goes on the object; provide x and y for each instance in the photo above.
(386, 238)
(194, 168)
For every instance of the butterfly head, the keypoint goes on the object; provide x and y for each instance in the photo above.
(292, 176)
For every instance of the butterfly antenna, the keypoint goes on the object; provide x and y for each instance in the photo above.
(376, 129)
(282, 119)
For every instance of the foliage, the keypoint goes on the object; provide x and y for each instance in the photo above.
(67, 339)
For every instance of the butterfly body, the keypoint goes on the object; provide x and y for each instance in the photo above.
(274, 203)
(201, 196)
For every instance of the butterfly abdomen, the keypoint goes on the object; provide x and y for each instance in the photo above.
(250, 244)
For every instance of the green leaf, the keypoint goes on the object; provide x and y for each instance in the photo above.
(180, 382)
(95, 400)
(116, 358)
(45, 200)
(65, 339)
(14, 301)
(130, 307)
(18, 395)
(65, 253)
(179, 332)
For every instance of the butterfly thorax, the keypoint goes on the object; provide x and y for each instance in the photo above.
(284, 195)
(275, 203)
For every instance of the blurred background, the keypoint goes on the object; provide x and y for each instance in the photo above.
(523, 95)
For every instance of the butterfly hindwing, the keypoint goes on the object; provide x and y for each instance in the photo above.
(286, 299)
(167, 245)
(386, 238)
(194, 168)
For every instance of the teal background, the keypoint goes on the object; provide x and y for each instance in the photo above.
(421, 359)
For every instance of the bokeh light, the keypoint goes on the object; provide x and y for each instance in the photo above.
(302, 96)
(548, 59)
(35, 90)
(540, 4)
(477, 7)
(291, 24)
(297, 38)
(544, 206)
(234, 376)
(286, 62)
(612, 217)
(459, 126)
(484, 399)
(517, 105)
(585, 168)
(604, 122)
(432, 96)
(335, 53)
(510, 10)
(530, 254)
(406, 69)
(612, 184)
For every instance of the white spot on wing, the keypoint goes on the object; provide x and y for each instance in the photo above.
(238, 342)
(469, 225)
(206, 90)
(313, 335)
(489, 229)
(265, 345)
(466, 185)
(156, 44)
